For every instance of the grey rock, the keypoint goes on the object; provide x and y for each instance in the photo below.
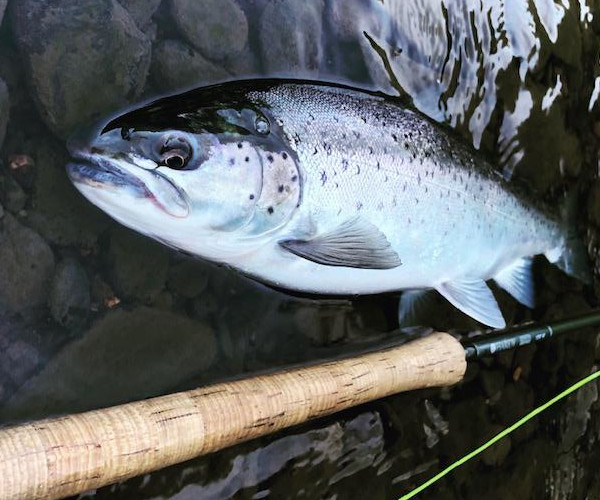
(141, 11)
(176, 65)
(59, 213)
(188, 278)
(243, 64)
(12, 195)
(69, 299)
(4, 100)
(27, 267)
(125, 356)
(2, 9)
(83, 58)
(349, 18)
(290, 36)
(217, 28)
(137, 266)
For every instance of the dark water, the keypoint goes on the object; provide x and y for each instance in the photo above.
(93, 315)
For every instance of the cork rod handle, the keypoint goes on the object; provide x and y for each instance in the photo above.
(67, 455)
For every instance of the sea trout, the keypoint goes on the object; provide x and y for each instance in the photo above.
(324, 189)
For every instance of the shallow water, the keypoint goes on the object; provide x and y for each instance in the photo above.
(93, 315)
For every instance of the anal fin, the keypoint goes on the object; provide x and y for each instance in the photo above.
(517, 280)
(474, 298)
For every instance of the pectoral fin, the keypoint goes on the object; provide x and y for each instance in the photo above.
(473, 297)
(517, 280)
(355, 243)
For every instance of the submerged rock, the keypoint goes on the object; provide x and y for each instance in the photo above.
(141, 11)
(176, 65)
(290, 35)
(137, 266)
(83, 58)
(4, 101)
(125, 356)
(59, 213)
(12, 195)
(189, 278)
(27, 267)
(69, 299)
(217, 28)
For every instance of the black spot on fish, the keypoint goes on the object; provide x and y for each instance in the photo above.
(378, 166)
(357, 169)
(247, 159)
(370, 150)
(416, 201)
(284, 155)
(251, 196)
(240, 145)
(344, 164)
(359, 205)
(294, 178)
(232, 161)
(270, 210)
(323, 177)
(406, 145)
(280, 188)
(270, 158)
(395, 137)
(316, 151)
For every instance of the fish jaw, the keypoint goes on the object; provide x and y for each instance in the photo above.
(100, 177)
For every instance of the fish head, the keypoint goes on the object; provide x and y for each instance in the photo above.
(214, 180)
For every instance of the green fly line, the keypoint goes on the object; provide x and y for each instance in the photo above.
(504, 433)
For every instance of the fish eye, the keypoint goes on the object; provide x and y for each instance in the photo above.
(175, 151)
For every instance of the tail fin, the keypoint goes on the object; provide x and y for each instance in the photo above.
(573, 257)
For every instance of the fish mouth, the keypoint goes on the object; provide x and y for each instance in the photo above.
(102, 173)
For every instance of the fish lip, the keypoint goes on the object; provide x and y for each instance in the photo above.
(97, 171)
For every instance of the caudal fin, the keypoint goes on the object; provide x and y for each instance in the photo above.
(572, 257)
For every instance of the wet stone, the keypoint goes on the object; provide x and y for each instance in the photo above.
(593, 207)
(188, 278)
(124, 356)
(2, 9)
(176, 65)
(77, 70)
(59, 212)
(27, 267)
(217, 28)
(4, 100)
(290, 35)
(141, 11)
(12, 195)
(69, 299)
(137, 266)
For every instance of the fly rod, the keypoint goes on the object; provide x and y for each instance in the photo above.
(67, 455)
